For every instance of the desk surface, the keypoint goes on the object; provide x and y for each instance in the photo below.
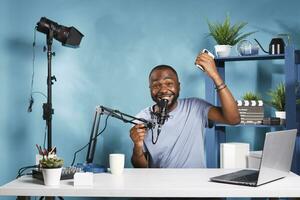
(155, 183)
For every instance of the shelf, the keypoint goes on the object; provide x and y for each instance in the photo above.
(245, 58)
(291, 64)
(251, 125)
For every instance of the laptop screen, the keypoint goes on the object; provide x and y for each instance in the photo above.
(277, 155)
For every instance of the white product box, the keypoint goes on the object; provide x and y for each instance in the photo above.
(234, 155)
(254, 159)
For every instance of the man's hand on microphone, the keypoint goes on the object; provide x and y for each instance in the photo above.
(137, 134)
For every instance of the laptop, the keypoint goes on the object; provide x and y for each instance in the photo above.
(275, 163)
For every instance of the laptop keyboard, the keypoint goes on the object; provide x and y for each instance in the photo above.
(242, 177)
(247, 178)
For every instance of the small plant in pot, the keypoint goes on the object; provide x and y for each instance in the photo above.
(51, 166)
(278, 100)
(226, 35)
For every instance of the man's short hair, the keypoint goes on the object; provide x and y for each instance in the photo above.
(159, 67)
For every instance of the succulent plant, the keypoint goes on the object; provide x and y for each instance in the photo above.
(52, 162)
(49, 158)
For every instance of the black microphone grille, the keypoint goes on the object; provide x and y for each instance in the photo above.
(163, 114)
(163, 103)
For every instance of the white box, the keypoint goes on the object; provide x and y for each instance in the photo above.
(254, 159)
(234, 155)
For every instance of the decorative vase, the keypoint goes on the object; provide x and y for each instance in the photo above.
(280, 114)
(222, 50)
(51, 176)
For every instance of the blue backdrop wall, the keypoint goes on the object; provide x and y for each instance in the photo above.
(123, 40)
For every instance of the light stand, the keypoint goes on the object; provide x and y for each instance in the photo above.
(48, 111)
(68, 36)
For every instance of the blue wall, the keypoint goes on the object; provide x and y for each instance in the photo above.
(123, 40)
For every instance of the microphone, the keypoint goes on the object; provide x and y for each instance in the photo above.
(162, 115)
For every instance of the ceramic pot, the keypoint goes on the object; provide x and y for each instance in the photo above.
(51, 176)
(222, 50)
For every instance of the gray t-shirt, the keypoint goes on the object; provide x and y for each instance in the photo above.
(181, 140)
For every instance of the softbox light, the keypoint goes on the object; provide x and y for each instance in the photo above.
(68, 36)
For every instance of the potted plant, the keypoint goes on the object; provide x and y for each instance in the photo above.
(51, 166)
(278, 100)
(226, 35)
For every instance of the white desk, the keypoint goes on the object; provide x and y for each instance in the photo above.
(155, 183)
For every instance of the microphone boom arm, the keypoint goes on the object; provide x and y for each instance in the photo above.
(100, 110)
(122, 116)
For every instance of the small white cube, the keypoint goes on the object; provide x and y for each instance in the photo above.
(234, 155)
(83, 179)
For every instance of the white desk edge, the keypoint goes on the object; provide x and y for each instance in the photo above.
(155, 183)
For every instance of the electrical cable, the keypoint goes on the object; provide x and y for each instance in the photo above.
(31, 99)
(105, 125)
(22, 169)
(158, 132)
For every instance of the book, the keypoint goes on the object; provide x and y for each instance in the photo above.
(271, 121)
(251, 108)
(254, 122)
(252, 116)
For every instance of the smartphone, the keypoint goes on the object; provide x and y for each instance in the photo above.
(210, 54)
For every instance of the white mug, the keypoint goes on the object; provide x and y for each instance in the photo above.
(116, 163)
